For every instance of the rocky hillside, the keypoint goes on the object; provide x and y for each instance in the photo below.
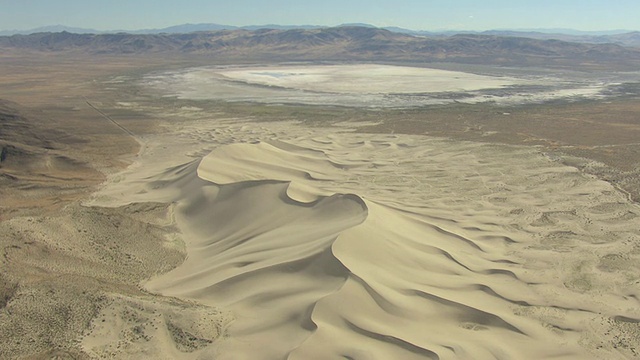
(337, 44)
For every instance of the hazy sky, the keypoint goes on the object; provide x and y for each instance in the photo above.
(412, 14)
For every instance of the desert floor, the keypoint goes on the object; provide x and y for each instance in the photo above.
(140, 225)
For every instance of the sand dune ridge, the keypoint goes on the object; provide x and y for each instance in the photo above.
(446, 253)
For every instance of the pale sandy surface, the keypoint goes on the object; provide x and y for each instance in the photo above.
(323, 243)
(226, 237)
(375, 85)
(366, 79)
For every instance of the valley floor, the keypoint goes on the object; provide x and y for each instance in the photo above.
(211, 229)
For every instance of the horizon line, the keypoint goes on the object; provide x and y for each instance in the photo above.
(528, 29)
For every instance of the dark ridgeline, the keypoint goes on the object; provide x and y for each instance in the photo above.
(345, 43)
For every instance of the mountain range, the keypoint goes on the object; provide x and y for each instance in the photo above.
(620, 37)
(345, 43)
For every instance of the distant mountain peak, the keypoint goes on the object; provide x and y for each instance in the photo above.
(622, 37)
(358, 25)
(345, 43)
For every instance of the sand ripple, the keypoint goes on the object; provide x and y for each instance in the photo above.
(383, 247)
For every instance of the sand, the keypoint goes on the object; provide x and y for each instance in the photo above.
(363, 79)
(378, 86)
(230, 238)
(325, 243)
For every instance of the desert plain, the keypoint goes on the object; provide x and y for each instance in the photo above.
(174, 207)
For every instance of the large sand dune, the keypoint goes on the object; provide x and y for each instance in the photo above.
(330, 244)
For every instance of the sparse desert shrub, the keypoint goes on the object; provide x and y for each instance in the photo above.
(7, 290)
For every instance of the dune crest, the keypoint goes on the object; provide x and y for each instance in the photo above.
(398, 247)
(252, 247)
(263, 161)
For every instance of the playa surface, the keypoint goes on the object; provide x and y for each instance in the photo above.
(381, 86)
(213, 235)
